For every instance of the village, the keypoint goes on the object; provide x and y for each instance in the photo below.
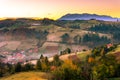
(21, 56)
(32, 54)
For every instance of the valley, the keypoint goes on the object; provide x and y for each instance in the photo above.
(27, 39)
(47, 45)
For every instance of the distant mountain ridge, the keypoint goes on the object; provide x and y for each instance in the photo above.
(86, 16)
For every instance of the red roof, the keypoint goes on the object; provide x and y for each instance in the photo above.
(109, 45)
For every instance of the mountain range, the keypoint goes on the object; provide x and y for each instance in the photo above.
(86, 16)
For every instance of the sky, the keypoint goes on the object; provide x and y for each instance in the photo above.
(56, 8)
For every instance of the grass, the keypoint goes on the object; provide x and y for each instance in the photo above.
(82, 55)
(114, 79)
(27, 76)
(116, 50)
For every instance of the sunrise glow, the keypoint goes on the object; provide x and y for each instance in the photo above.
(56, 8)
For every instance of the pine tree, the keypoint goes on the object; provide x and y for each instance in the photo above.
(41, 57)
(38, 65)
(46, 61)
(18, 67)
(1, 72)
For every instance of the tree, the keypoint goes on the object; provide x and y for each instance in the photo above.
(18, 67)
(91, 59)
(68, 50)
(28, 67)
(102, 53)
(75, 26)
(56, 58)
(65, 38)
(47, 21)
(11, 68)
(46, 61)
(105, 68)
(1, 69)
(41, 57)
(117, 71)
(77, 39)
(44, 67)
(38, 65)
(56, 61)
(68, 71)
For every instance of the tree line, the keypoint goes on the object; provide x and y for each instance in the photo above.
(88, 39)
(112, 29)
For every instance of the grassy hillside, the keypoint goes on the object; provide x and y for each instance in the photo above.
(82, 55)
(33, 29)
(27, 76)
(42, 33)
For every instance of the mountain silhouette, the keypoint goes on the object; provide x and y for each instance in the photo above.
(86, 16)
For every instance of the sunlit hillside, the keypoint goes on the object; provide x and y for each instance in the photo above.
(27, 76)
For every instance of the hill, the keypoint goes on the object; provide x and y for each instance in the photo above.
(27, 76)
(29, 38)
(80, 64)
(86, 16)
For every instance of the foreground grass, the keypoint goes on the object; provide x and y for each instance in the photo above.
(114, 79)
(27, 76)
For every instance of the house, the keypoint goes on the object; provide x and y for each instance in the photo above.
(30, 51)
(35, 24)
(5, 52)
(35, 50)
(22, 52)
(109, 45)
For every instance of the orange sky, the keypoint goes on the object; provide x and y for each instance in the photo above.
(56, 8)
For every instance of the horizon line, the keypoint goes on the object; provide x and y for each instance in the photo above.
(38, 18)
